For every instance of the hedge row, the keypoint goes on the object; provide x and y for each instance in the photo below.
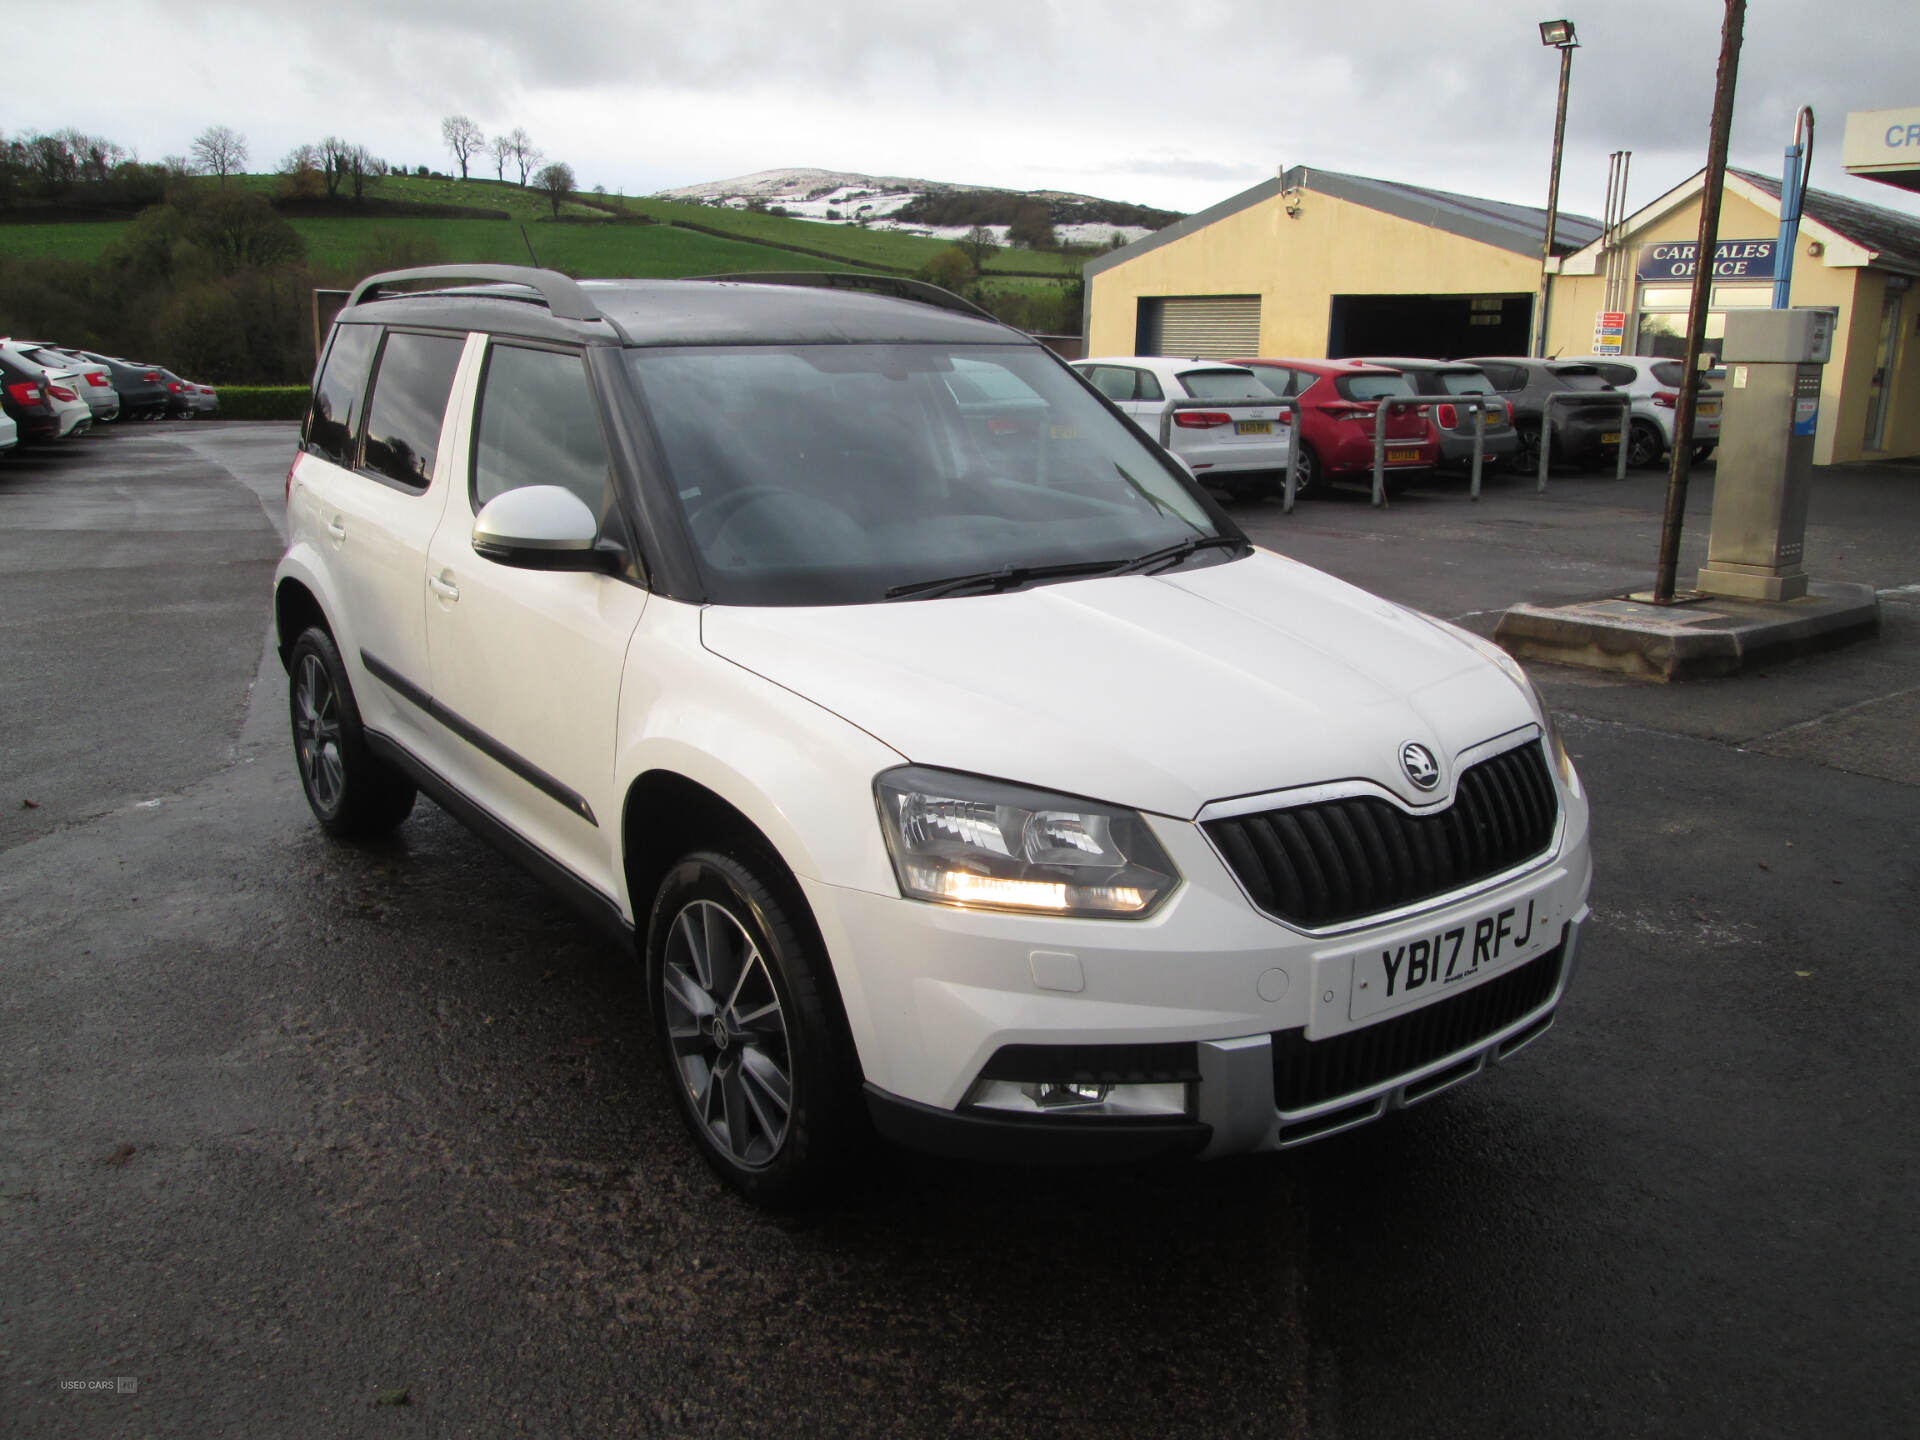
(262, 402)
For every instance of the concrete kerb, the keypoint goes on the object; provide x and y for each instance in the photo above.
(1714, 636)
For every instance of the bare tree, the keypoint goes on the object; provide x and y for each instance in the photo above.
(463, 138)
(525, 153)
(363, 169)
(979, 245)
(332, 155)
(556, 183)
(219, 150)
(500, 149)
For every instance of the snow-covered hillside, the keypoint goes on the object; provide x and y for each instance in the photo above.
(843, 198)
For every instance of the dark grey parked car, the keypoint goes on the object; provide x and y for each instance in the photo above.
(1454, 423)
(143, 394)
(1583, 434)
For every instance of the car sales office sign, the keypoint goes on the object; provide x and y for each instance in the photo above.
(1732, 260)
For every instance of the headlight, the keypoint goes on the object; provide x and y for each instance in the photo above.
(961, 840)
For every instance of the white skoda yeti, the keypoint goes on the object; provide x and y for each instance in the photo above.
(956, 767)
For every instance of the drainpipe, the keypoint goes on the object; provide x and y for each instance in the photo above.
(1793, 194)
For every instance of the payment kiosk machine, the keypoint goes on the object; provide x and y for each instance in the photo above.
(1773, 360)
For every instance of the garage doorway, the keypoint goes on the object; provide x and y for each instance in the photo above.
(1207, 327)
(1443, 327)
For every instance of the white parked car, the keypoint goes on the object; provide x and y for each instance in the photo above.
(950, 761)
(1239, 446)
(63, 390)
(1654, 384)
(91, 381)
(9, 432)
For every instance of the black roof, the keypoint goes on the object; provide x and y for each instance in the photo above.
(729, 311)
(1895, 236)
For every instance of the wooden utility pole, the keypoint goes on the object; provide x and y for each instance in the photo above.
(1682, 464)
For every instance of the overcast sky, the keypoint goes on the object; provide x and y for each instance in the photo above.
(1179, 103)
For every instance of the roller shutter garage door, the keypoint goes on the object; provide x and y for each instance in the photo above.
(1209, 327)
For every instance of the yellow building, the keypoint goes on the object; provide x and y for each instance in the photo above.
(1855, 259)
(1316, 263)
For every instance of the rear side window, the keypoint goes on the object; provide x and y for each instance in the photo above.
(537, 427)
(1275, 380)
(1370, 387)
(333, 420)
(1116, 382)
(410, 391)
(1224, 385)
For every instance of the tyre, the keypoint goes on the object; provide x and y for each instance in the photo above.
(1312, 475)
(747, 1024)
(1644, 445)
(1526, 459)
(353, 793)
(1703, 453)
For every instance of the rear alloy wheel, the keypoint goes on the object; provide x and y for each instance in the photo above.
(352, 793)
(1527, 457)
(1644, 445)
(1702, 453)
(746, 1028)
(1311, 473)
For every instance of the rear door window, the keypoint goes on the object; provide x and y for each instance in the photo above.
(1506, 377)
(333, 418)
(410, 390)
(1622, 375)
(1458, 382)
(1277, 381)
(1669, 372)
(538, 426)
(1579, 377)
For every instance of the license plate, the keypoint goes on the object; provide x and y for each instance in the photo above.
(1402, 457)
(1709, 407)
(1386, 977)
(1062, 432)
(1612, 437)
(1253, 427)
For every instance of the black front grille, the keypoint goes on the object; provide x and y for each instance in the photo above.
(1308, 1072)
(1343, 859)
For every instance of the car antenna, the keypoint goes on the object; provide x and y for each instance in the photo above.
(529, 239)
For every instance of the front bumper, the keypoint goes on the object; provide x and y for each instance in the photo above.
(1262, 1022)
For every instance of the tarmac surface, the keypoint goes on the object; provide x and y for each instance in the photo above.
(304, 1140)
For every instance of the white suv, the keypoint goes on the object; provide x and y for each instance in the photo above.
(954, 765)
(1654, 384)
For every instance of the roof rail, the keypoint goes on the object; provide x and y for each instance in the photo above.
(564, 297)
(895, 285)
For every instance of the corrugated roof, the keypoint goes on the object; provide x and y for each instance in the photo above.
(1896, 237)
(1517, 228)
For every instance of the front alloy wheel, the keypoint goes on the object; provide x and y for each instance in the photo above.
(728, 1033)
(749, 1026)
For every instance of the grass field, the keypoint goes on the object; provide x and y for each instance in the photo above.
(750, 242)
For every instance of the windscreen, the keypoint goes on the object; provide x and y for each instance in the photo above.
(1223, 385)
(833, 474)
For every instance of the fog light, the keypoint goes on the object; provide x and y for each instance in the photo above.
(1081, 1097)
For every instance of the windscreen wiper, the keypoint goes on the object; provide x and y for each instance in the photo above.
(1170, 555)
(1007, 577)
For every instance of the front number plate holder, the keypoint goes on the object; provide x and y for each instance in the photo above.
(1450, 957)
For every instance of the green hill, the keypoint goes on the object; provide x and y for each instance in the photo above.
(589, 238)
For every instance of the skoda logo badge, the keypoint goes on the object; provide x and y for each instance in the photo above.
(1422, 769)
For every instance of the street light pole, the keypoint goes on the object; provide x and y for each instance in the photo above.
(1558, 33)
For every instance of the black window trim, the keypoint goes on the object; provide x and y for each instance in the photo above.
(359, 466)
(640, 569)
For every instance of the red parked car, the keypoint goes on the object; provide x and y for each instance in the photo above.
(1338, 399)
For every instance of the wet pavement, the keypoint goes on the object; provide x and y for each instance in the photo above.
(310, 1140)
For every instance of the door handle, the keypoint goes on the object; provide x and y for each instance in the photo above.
(336, 529)
(445, 589)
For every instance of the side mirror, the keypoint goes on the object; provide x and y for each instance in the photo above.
(540, 527)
